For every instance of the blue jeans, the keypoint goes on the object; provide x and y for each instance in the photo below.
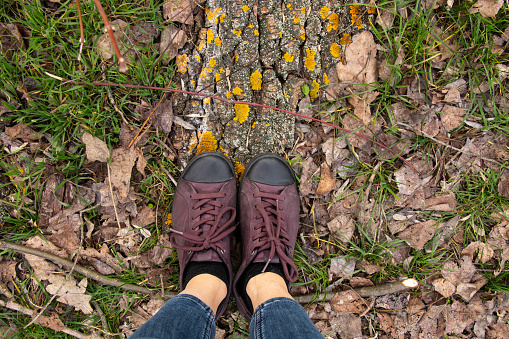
(186, 316)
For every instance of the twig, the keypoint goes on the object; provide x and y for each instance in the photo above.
(448, 146)
(107, 27)
(104, 321)
(249, 104)
(112, 196)
(365, 292)
(80, 269)
(25, 310)
(82, 33)
(147, 119)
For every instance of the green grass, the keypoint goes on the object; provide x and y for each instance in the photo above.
(66, 111)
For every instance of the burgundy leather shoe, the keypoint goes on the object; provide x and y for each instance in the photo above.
(269, 220)
(204, 214)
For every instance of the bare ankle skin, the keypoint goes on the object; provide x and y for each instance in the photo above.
(208, 288)
(266, 286)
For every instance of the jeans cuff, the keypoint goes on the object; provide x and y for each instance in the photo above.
(200, 303)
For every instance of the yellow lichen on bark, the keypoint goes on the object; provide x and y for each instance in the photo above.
(245, 8)
(325, 79)
(210, 36)
(206, 101)
(212, 62)
(241, 112)
(181, 62)
(256, 32)
(310, 63)
(324, 12)
(207, 143)
(239, 169)
(345, 39)
(335, 50)
(333, 22)
(256, 80)
(313, 94)
(356, 18)
(237, 90)
(288, 57)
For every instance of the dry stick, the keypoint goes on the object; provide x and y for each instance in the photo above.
(365, 292)
(78, 268)
(148, 118)
(245, 103)
(107, 28)
(25, 310)
(448, 146)
(100, 312)
(82, 33)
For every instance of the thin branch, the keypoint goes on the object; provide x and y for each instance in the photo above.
(365, 292)
(82, 33)
(245, 103)
(448, 146)
(80, 269)
(108, 28)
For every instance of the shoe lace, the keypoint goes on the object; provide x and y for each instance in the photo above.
(273, 235)
(206, 231)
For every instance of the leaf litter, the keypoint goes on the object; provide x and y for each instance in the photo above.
(339, 195)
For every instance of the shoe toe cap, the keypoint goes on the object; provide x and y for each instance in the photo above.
(209, 168)
(271, 170)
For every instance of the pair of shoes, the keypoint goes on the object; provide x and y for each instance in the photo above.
(204, 219)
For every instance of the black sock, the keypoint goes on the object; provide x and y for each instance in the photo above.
(253, 270)
(217, 269)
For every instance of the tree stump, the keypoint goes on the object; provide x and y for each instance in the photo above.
(261, 51)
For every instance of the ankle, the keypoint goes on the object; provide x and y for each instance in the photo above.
(265, 286)
(208, 288)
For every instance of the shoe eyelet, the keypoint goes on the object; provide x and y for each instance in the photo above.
(222, 251)
(189, 252)
(253, 253)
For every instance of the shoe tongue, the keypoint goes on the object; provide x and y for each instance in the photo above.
(264, 257)
(208, 187)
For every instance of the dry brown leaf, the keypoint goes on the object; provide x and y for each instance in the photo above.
(104, 44)
(348, 302)
(96, 149)
(342, 267)
(503, 185)
(327, 182)
(305, 108)
(360, 282)
(342, 228)
(452, 117)
(7, 270)
(453, 96)
(164, 116)
(443, 203)
(144, 218)
(484, 251)
(121, 167)
(179, 11)
(53, 322)
(487, 8)
(21, 131)
(64, 230)
(361, 68)
(70, 292)
(444, 287)
(457, 317)
(172, 39)
(141, 162)
(450, 272)
(407, 180)
(429, 322)
(369, 268)
(419, 234)
(51, 198)
(385, 321)
(347, 325)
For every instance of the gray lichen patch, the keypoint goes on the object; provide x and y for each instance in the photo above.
(262, 51)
